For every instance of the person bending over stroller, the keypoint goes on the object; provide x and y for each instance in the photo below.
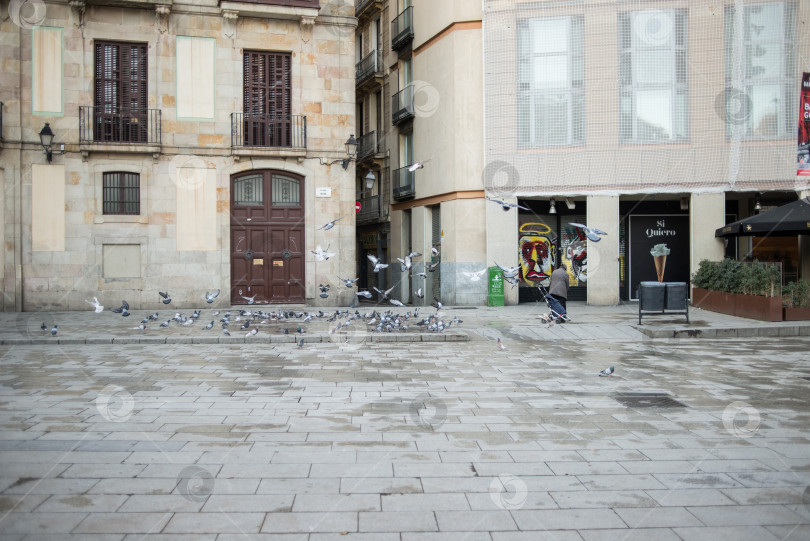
(559, 285)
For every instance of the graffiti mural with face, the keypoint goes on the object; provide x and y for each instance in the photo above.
(576, 254)
(537, 245)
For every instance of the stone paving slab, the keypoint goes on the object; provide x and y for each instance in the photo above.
(376, 440)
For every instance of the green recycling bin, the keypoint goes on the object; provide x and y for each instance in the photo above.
(495, 296)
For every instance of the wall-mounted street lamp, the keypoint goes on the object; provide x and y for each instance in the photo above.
(552, 209)
(758, 202)
(351, 150)
(46, 140)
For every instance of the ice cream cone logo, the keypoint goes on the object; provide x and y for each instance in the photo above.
(660, 253)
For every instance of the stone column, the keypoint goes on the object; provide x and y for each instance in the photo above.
(603, 256)
(502, 242)
(707, 212)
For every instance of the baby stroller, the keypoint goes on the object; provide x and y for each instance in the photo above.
(556, 310)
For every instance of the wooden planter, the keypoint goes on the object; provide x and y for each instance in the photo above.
(735, 304)
(796, 314)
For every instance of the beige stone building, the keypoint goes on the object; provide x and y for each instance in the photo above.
(197, 146)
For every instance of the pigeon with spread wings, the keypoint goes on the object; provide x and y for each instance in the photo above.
(507, 206)
(591, 232)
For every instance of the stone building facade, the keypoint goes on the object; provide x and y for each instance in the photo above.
(197, 146)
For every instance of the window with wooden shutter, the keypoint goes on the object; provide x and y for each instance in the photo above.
(267, 99)
(121, 92)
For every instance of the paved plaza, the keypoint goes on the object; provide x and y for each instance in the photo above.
(110, 433)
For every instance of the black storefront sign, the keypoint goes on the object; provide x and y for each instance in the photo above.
(647, 231)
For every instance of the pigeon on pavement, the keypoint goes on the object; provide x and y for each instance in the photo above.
(209, 297)
(43, 327)
(591, 232)
(252, 332)
(500, 345)
(301, 343)
(329, 225)
(606, 372)
(54, 330)
(96, 305)
(209, 326)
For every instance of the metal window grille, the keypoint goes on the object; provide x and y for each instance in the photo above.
(286, 191)
(122, 193)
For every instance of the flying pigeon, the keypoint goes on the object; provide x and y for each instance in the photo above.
(405, 264)
(120, 310)
(437, 304)
(414, 166)
(434, 251)
(500, 345)
(509, 272)
(329, 225)
(348, 281)
(432, 266)
(421, 275)
(383, 294)
(96, 305)
(209, 297)
(396, 302)
(507, 206)
(54, 330)
(475, 276)
(419, 294)
(324, 290)
(591, 232)
(376, 263)
(321, 254)
(252, 332)
(166, 297)
(606, 372)
(364, 293)
(414, 254)
(125, 312)
(250, 300)
(209, 326)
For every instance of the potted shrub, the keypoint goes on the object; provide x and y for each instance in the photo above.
(732, 287)
(796, 301)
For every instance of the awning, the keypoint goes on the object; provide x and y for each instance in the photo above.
(784, 221)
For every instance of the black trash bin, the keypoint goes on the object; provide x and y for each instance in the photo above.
(677, 298)
(651, 297)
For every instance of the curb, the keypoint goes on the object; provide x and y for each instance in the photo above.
(728, 332)
(266, 339)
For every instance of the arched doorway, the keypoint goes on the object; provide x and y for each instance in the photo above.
(267, 237)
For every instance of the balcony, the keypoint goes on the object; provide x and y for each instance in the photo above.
(402, 184)
(368, 71)
(1, 122)
(402, 105)
(287, 3)
(249, 130)
(367, 146)
(363, 8)
(402, 29)
(119, 125)
(371, 209)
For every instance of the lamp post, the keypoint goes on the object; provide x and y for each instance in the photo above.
(351, 150)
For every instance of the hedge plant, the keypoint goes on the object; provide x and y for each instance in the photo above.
(796, 295)
(731, 276)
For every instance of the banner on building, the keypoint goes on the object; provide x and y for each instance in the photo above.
(803, 165)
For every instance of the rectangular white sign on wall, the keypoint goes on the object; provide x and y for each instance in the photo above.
(196, 209)
(46, 71)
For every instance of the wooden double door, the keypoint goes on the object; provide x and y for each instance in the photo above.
(267, 238)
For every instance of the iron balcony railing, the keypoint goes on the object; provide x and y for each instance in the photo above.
(268, 130)
(367, 145)
(402, 184)
(402, 28)
(1, 120)
(368, 67)
(361, 5)
(290, 3)
(402, 106)
(370, 209)
(111, 124)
